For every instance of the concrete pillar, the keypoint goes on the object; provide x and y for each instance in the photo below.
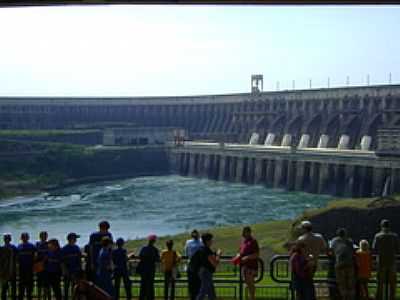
(365, 144)
(291, 175)
(299, 181)
(314, 177)
(278, 172)
(378, 179)
(269, 172)
(239, 169)
(222, 168)
(254, 138)
(287, 140)
(232, 169)
(207, 165)
(250, 170)
(258, 169)
(192, 164)
(344, 142)
(323, 141)
(349, 181)
(323, 178)
(269, 140)
(304, 141)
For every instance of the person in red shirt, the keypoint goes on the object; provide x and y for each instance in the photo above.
(249, 253)
(364, 266)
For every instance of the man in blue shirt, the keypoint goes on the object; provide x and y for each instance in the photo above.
(95, 246)
(149, 256)
(53, 268)
(191, 247)
(11, 269)
(120, 260)
(42, 249)
(25, 255)
(104, 267)
(71, 258)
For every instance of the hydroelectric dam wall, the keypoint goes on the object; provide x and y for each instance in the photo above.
(321, 140)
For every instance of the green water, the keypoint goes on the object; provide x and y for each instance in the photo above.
(138, 206)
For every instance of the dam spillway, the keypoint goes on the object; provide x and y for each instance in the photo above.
(321, 141)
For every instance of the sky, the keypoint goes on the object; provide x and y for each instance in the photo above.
(193, 50)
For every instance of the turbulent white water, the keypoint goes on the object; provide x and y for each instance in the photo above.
(161, 205)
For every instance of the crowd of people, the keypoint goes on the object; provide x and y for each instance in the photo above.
(351, 264)
(104, 263)
(106, 266)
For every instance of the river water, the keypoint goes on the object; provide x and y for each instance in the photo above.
(161, 205)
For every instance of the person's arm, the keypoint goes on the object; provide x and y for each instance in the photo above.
(214, 259)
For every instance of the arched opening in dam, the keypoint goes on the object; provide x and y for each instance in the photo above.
(161, 204)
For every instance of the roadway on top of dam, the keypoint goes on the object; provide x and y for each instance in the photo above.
(321, 155)
(309, 94)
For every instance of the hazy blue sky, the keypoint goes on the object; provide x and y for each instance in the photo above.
(186, 50)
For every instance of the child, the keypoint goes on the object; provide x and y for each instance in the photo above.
(169, 262)
(301, 274)
(364, 265)
(53, 268)
(120, 260)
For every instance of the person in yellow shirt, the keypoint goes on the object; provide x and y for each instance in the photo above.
(169, 264)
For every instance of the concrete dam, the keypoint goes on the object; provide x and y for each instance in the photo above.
(341, 141)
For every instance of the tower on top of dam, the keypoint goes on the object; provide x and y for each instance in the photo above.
(257, 83)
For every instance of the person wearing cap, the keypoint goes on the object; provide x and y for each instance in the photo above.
(315, 245)
(105, 267)
(8, 266)
(386, 245)
(71, 258)
(191, 247)
(26, 252)
(41, 277)
(120, 260)
(169, 263)
(53, 268)
(95, 246)
(149, 256)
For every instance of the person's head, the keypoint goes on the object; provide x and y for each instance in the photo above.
(364, 245)
(306, 226)
(195, 234)
(246, 232)
(120, 242)
(7, 238)
(104, 226)
(169, 244)
(106, 242)
(54, 245)
(385, 224)
(43, 236)
(207, 239)
(152, 238)
(24, 237)
(72, 237)
(342, 233)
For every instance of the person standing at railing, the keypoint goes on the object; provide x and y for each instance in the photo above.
(53, 262)
(120, 260)
(301, 272)
(8, 269)
(149, 256)
(26, 252)
(41, 277)
(208, 262)
(249, 253)
(315, 245)
(72, 262)
(386, 245)
(343, 250)
(191, 247)
(364, 267)
(95, 247)
(169, 264)
(105, 267)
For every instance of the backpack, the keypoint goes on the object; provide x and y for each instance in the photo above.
(196, 261)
